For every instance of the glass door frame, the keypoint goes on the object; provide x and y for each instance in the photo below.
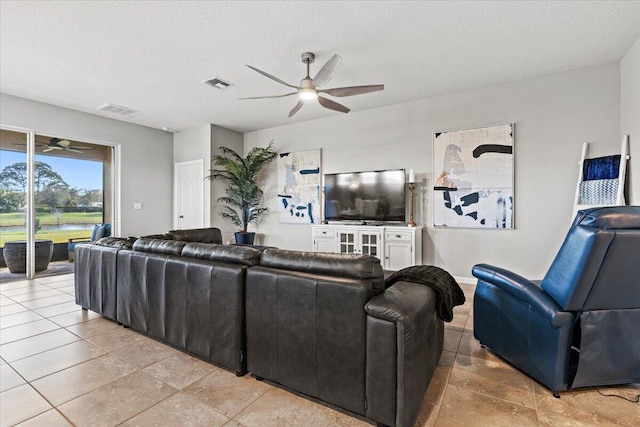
(116, 159)
(30, 198)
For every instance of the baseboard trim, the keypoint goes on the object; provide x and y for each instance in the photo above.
(465, 280)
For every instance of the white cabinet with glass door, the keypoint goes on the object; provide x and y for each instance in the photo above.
(360, 240)
(397, 247)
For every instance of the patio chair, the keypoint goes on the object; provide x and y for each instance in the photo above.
(99, 231)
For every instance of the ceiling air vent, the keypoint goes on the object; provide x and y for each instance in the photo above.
(217, 83)
(117, 109)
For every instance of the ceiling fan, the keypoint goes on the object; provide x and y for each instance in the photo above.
(64, 144)
(309, 88)
(60, 144)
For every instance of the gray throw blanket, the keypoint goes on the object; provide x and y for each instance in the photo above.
(448, 292)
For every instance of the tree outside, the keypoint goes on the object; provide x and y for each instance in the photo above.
(62, 211)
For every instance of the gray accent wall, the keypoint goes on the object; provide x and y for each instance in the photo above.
(147, 157)
(553, 116)
(630, 116)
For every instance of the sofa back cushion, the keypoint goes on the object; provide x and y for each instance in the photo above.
(159, 246)
(596, 268)
(115, 242)
(203, 235)
(231, 254)
(165, 236)
(351, 266)
(609, 218)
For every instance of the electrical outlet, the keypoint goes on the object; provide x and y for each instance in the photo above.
(137, 205)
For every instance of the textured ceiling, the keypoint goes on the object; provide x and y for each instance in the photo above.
(152, 56)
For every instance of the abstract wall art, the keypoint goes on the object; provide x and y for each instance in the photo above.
(299, 182)
(473, 177)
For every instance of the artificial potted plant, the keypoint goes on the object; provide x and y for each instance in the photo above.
(243, 193)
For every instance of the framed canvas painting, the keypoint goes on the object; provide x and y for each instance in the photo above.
(299, 182)
(473, 177)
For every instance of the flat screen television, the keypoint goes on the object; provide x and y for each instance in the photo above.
(372, 196)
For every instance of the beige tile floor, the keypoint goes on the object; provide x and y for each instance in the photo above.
(63, 366)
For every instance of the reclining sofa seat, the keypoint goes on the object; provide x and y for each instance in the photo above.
(323, 324)
(579, 326)
(190, 295)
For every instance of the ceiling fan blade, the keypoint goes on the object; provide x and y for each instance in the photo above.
(327, 71)
(332, 105)
(63, 142)
(46, 150)
(79, 148)
(271, 77)
(296, 108)
(274, 96)
(352, 90)
(74, 150)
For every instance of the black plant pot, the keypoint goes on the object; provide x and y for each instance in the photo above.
(15, 255)
(245, 238)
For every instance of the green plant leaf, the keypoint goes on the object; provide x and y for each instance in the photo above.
(242, 176)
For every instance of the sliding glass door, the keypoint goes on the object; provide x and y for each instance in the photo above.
(71, 193)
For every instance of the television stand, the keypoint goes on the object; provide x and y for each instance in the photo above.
(396, 246)
(372, 223)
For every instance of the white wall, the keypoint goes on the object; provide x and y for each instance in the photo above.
(630, 116)
(230, 139)
(146, 169)
(203, 142)
(195, 144)
(554, 115)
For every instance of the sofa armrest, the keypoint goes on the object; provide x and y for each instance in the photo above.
(524, 290)
(80, 240)
(404, 343)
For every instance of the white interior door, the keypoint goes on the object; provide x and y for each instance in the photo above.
(189, 194)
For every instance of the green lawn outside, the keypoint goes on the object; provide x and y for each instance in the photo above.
(58, 236)
(17, 218)
(61, 236)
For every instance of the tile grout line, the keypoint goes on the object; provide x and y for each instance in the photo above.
(30, 291)
(60, 327)
(500, 398)
(39, 394)
(52, 373)
(535, 401)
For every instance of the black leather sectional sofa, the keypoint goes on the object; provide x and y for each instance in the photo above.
(320, 324)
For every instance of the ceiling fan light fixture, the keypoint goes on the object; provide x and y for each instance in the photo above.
(307, 94)
(308, 89)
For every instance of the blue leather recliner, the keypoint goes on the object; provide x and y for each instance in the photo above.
(579, 326)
